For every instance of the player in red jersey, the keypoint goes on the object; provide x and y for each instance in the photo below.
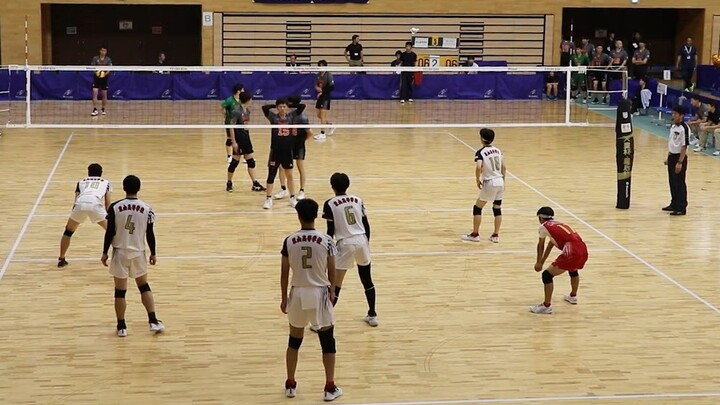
(573, 257)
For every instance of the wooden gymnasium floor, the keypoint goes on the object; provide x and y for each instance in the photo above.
(455, 326)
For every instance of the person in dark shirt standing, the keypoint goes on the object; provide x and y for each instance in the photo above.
(282, 143)
(324, 85)
(100, 81)
(686, 62)
(354, 52)
(408, 59)
(640, 61)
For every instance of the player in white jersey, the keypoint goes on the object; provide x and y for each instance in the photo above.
(130, 222)
(311, 256)
(348, 223)
(92, 198)
(490, 179)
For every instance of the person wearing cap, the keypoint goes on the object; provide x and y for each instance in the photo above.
(573, 258)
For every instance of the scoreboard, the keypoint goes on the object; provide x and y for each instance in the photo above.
(435, 42)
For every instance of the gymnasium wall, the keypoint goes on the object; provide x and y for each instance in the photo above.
(174, 30)
(13, 12)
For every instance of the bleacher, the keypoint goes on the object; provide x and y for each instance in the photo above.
(251, 39)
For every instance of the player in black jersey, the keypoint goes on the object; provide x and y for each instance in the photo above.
(281, 145)
(302, 134)
(241, 144)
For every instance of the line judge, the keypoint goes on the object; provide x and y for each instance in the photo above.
(676, 162)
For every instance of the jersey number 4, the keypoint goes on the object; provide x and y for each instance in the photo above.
(306, 257)
(130, 225)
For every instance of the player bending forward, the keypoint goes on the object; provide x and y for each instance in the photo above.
(573, 257)
(348, 223)
(92, 198)
(490, 179)
(130, 222)
(311, 256)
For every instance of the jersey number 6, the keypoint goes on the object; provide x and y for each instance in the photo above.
(350, 216)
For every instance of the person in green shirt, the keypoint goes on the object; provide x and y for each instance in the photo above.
(228, 107)
(579, 80)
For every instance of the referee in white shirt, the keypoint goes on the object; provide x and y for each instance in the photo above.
(676, 161)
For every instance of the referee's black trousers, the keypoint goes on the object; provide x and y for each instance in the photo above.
(406, 84)
(678, 188)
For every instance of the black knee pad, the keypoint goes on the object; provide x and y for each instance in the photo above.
(547, 278)
(294, 343)
(120, 293)
(233, 165)
(497, 212)
(144, 288)
(68, 233)
(327, 340)
(573, 274)
(477, 210)
(366, 277)
(251, 163)
(272, 173)
(228, 142)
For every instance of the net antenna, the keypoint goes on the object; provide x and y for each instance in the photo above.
(44, 96)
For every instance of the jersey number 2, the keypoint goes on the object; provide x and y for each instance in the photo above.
(130, 225)
(306, 256)
(350, 216)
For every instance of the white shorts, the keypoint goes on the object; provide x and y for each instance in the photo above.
(128, 264)
(82, 211)
(354, 249)
(310, 305)
(492, 190)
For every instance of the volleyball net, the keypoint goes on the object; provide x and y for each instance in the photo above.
(363, 97)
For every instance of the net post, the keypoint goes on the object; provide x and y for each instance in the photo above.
(568, 90)
(26, 41)
(27, 96)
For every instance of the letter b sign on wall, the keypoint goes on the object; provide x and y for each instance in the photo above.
(207, 19)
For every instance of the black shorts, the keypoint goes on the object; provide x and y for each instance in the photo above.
(281, 158)
(245, 147)
(100, 83)
(228, 131)
(599, 77)
(323, 103)
(299, 151)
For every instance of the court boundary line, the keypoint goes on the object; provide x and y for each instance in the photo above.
(31, 215)
(275, 256)
(612, 241)
(290, 212)
(569, 398)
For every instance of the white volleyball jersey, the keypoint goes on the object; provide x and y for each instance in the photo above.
(307, 251)
(347, 212)
(489, 159)
(131, 217)
(92, 190)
